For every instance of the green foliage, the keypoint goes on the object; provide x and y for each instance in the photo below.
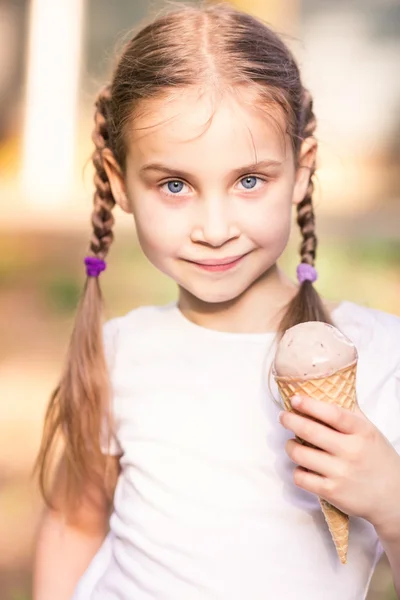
(61, 292)
(392, 593)
(376, 252)
(20, 595)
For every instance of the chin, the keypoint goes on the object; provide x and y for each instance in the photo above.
(218, 293)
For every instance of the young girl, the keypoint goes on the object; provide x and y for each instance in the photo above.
(177, 481)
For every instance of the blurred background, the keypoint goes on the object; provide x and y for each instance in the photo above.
(54, 55)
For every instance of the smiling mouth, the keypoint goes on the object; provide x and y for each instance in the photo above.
(218, 261)
(218, 264)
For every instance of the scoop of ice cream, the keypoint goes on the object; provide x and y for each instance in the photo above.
(313, 349)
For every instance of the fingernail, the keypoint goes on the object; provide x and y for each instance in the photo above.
(280, 415)
(296, 400)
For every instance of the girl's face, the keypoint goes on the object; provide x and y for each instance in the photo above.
(204, 196)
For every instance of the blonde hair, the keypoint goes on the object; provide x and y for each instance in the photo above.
(188, 47)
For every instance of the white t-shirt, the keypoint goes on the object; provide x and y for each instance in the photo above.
(205, 506)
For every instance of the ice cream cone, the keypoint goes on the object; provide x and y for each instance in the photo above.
(338, 388)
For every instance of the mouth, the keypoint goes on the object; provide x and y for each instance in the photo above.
(219, 264)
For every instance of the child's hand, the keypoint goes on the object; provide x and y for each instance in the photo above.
(356, 470)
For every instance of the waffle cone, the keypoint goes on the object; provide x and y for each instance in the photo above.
(338, 388)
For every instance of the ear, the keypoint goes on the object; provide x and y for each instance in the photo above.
(116, 179)
(307, 157)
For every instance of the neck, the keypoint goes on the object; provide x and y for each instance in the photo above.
(257, 310)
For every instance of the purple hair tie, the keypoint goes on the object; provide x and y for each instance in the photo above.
(94, 266)
(306, 272)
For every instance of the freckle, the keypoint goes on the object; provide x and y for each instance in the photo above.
(322, 345)
(305, 374)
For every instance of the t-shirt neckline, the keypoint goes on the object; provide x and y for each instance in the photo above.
(234, 335)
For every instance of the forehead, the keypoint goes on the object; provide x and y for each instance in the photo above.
(200, 126)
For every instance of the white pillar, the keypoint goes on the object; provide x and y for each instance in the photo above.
(53, 71)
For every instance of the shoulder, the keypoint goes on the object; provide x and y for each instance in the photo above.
(376, 335)
(143, 322)
(366, 316)
(370, 329)
(140, 319)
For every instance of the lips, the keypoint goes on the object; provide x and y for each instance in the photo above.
(213, 262)
(218, 264)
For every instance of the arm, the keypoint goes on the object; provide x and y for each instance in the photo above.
(389, 536)
(391, 546)
(64, 548)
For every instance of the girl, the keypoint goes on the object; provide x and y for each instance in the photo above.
(206, 135)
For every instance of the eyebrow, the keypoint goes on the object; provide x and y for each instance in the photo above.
(235, 172)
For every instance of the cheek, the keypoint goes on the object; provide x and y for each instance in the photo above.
(158, 233)
(273, 235)
(153, 237)
(269, 223)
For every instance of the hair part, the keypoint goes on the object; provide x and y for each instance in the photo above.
(211, 46)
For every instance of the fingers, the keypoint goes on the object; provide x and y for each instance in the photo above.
(312, 459)
(341, 419)
(309, 481)
(314, 433)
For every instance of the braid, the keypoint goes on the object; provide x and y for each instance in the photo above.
(306, 304)
(305, 210)
(79, 406)
(103, 200)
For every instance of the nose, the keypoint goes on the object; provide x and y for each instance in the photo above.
(215, 225)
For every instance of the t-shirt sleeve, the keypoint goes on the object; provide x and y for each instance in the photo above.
(109, 443)
(377, 336)
(396, 411)
(388, 407)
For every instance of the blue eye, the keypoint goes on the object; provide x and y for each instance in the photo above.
(174, 187)
(249, 182)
